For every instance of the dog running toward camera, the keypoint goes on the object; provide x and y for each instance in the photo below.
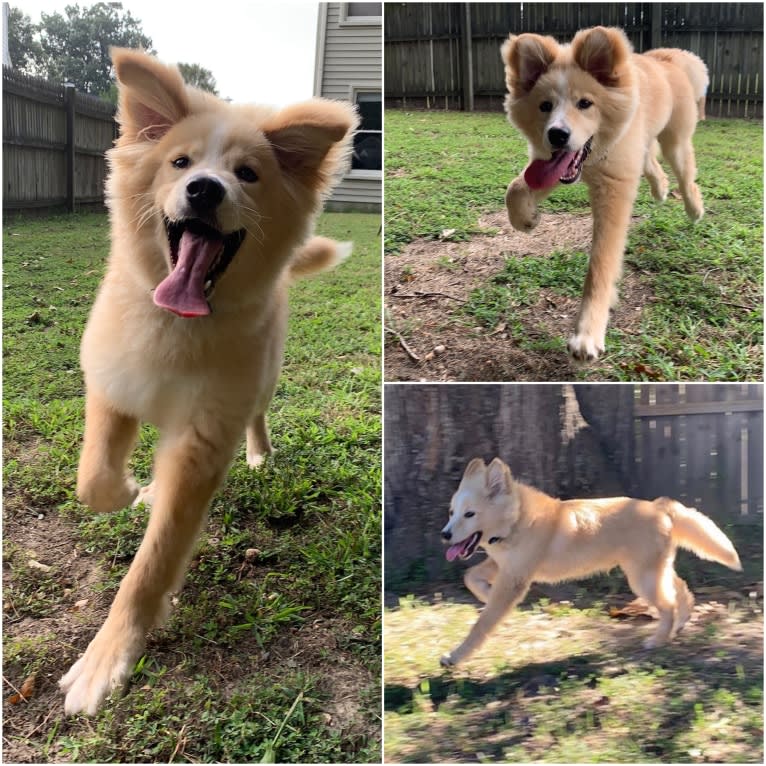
(212, 210)
(594, 109)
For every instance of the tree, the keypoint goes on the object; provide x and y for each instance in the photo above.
(199, 77)
(23, 46)
(74, 47)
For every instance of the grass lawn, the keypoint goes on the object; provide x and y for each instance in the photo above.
(699, 306)
(273, 649)
(557, 683)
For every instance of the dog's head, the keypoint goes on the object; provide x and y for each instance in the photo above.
(230, 185)
(568, 100)
(483, 510)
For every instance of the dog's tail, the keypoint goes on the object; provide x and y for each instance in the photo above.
(694, 68)
(318, 254)
(698, 533)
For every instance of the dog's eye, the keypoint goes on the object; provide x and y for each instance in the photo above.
(181, 162)
(469, 514)
(246, 174)
(583, 103)
(546, 106)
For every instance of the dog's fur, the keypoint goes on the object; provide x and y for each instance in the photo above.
(532, 537)
(191, 177)
(608, 108)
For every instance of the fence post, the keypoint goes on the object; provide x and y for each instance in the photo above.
(656, 22)
(69, 103)
(467, 59)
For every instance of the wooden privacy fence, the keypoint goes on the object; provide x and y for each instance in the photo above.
(701, 444)
(54, 140)
(446, 55)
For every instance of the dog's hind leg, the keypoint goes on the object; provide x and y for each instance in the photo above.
(189, 467)
(503, 596)
(654, 173)
(684, 606)
(656, 584)
(258, 443)
(680, 156)
(103, 480)
(479, 579)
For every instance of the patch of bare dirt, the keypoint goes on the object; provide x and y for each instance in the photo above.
(429, 338)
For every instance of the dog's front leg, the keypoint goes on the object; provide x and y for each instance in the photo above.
(522, 204)
(611, 202)
(103, 480)
(478, 579)
(504, 594)
(188, 469)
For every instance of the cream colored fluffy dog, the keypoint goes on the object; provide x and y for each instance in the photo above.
(595, 110)
(531, 537)
(212, 207)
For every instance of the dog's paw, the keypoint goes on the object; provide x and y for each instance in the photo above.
(523, 212)
(106, 666)
(446, 661)
(107, 493)
(694, 206)
(584, 347)
(256, 459)
(145, 495)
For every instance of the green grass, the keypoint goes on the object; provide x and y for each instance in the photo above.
(273, 650)
(704, 316)
(569, 685)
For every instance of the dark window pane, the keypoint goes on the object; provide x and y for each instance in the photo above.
(364, 9)
(370, 110)
(368, 152)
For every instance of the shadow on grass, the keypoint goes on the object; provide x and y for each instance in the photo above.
(657, 703)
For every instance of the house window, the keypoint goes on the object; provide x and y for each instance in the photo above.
(361, 13)
(368, 141)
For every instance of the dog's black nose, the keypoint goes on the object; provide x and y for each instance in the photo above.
(446, 535)
(558, 137)
(204, 194)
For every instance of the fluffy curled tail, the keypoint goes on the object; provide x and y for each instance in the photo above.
(696, 532)
(318, 254)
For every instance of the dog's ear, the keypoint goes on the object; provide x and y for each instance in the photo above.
(603, 52)
(526, 58)
(152, 95)
(312, 141)
(475, 468)
(499, 480)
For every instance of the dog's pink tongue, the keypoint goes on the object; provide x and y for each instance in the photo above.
(542, 174)
(183, 290)
(453, 551)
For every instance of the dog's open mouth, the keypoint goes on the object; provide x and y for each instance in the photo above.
(464, 549)
(200, 254)
(563, 167)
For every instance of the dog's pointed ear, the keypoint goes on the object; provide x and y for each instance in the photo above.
(474, 468)
(312, 140)
(499, 480)
(152, 95)
(603, 52)
(526, 58)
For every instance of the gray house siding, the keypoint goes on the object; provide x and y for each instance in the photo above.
(350, 59)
